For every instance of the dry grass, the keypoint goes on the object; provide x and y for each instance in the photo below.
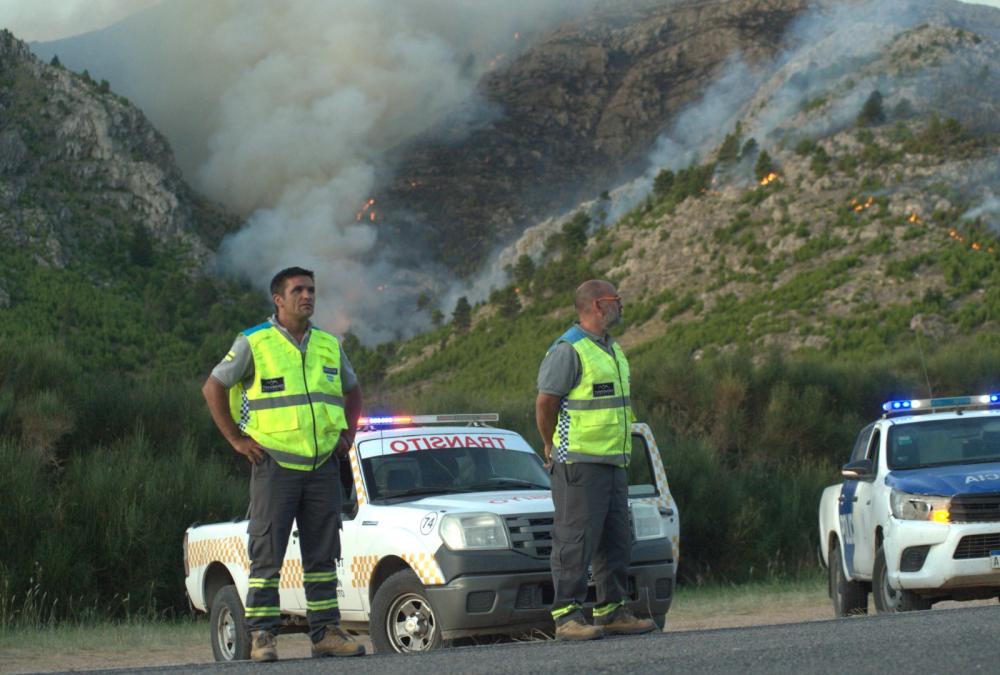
(726, 606)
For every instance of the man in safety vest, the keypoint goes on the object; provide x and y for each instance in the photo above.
(286, 397)
(584, 415)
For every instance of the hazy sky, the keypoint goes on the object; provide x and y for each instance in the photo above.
(53, 19)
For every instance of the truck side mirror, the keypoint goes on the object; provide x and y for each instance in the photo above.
(863, 469)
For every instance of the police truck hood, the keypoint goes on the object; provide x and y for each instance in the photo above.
(501, 502)
(947, 480)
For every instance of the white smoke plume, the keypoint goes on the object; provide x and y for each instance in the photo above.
(289, 113)
(988, 211)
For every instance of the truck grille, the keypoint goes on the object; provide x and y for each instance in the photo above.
(977, 546)
(531, 534)
(975, 508)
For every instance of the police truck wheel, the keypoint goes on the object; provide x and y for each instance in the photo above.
(850, 598)
(403, 619)
(888, 600)
(230, 641)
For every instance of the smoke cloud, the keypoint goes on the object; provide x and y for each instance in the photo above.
(290, 113)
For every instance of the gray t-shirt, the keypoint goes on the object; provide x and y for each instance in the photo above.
(237, 365)
(561, 369)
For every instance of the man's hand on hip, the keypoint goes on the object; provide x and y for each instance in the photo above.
(249, 448)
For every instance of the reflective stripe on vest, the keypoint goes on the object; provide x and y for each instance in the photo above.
(295, 406)
(595, 417)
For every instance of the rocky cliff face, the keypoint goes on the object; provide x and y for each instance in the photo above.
(579, 110)
(82, 170)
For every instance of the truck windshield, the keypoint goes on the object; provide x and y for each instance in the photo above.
(969, 440)
(449, 470)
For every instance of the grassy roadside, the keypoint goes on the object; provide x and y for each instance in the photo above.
(136, 643)
(729, 605)
(104, 645)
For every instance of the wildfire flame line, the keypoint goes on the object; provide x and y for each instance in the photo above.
(975, 246)
(768, 179)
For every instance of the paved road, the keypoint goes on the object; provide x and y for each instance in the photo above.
(942, 641)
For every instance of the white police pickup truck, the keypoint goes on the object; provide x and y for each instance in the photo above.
(446, 535)
(917, 518)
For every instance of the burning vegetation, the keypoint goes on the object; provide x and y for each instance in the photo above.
(860, 206)
(975, 245)
(367, 212)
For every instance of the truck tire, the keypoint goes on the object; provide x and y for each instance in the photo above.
(888, 600)
(850, 598)
(403, 619)
(228, 627)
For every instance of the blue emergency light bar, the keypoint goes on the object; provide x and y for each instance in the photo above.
(921, 404)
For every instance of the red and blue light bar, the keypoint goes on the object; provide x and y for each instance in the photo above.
(922, 404)
(388, 421)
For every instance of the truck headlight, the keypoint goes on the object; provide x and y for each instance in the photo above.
(920, 507)
(647, 522)
(464, 531)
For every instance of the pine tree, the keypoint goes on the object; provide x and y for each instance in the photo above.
(872, 111)
(55, 61)
(764, 166)
(461, 318)
(524, 270)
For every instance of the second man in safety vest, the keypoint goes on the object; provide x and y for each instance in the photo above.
(584, 415)
(287, 399)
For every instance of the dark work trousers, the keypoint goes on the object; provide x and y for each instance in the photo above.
(312, 499)
(591, 526)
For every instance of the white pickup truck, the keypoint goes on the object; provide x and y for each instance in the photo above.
(446, 535)
(917, 518)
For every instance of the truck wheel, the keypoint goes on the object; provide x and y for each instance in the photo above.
(850, 598)
(230, 641)
(887, 599)
(403, 619)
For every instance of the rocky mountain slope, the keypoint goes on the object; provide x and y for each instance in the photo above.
(103, 245)
(578, 111)
(850, 209)
(79, 164)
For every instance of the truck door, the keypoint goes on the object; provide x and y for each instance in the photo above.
(647, 482)
(864, 532)
(848, 500)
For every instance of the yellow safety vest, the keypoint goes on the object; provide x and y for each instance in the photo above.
(595, 417)
(295, 406)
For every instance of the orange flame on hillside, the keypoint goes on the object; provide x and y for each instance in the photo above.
(366, 212)
(769, 178)
(915, 219)
(975, 246)
(860, 206)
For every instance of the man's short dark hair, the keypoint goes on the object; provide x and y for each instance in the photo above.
(278, 282)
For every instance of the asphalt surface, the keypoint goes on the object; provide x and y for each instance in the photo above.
(961, 640)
